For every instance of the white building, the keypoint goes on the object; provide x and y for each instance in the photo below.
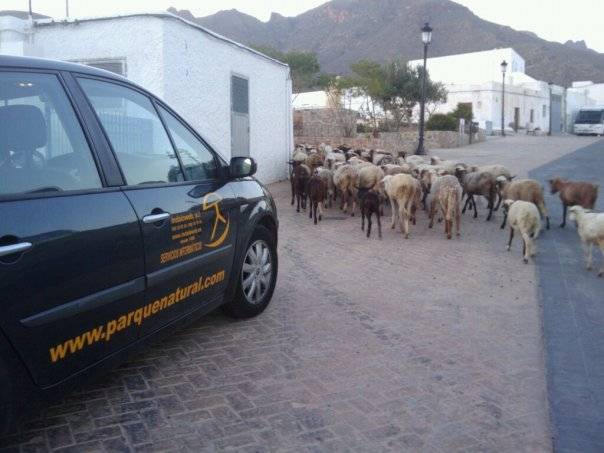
(238, 99)
(476, 79)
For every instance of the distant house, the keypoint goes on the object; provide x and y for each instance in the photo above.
(237, 98)
(475, 79)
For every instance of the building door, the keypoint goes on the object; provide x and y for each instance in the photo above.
(556, 113)
(516, 119)
(240, 117)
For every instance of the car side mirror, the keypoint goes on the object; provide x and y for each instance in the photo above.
(242, 167)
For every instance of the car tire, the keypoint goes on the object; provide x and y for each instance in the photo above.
(256, 277)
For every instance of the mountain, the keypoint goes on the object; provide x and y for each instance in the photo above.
(341, 32)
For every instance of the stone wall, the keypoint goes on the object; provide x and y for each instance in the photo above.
(324, 123)
(392, 142)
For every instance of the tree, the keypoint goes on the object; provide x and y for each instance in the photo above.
(367, 81)
(304, 66)
(436, 94)
(395, 88)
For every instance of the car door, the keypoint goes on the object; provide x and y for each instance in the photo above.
(187, 213)
(71, 252)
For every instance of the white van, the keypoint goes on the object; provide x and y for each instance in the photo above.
(590, 121)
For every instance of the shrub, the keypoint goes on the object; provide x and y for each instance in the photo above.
(441, 122)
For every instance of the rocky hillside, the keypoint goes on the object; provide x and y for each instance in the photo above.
(344, 31)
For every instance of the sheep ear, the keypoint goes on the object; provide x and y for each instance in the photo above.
(512, 177)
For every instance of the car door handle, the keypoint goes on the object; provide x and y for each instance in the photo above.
(15, 248)
(154, 218)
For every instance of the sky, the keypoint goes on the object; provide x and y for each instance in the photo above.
(554, 20)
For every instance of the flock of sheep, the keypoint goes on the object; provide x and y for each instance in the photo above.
(441, 187)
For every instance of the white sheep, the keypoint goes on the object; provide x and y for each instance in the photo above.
(369, 176)
(496, 170)
(327, 175)
(345, 179)
(332, 158)
(590, 226)
(415, 160)
(403, 191)
(523, 216)
(446, 193)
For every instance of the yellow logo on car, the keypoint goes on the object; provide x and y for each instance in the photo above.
(221, 223)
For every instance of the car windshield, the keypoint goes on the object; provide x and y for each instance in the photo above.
(589, 117)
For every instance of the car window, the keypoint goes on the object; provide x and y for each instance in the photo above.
(136, 133)
(42, 145)
(198, 161)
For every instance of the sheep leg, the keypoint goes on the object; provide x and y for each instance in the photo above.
(511, 237)
(465, 206)
(601, 244)
(543, 212)
(404, 220)
(457, 218)
(369, 224)
(379, 222)
(293, 189)
(432, 212)
(588, 255)
(498, 201)
(563, 224)
(363, 218)
(393, 209)
(491, 203)
(354, 205)
(315, 204)
(505, 218)
(526, 240)
(312, 203)
(321, 203)
(297, 202)
(475, 210)
(449, 228)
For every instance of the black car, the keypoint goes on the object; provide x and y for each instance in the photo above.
(117, 222)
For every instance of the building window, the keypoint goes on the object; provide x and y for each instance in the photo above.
(117, 66)
(544, 111)
(532, 116)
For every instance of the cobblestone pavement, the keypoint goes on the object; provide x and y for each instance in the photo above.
(394, 345)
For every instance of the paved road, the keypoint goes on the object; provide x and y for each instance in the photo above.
(573, 316)
(417, 345)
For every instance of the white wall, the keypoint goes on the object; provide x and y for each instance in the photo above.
(486, 103)
(191, 70)
(198, 80)
(137, 40)
(474, 67)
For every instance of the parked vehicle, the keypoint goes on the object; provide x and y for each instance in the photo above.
(590, 121)
(118, 223)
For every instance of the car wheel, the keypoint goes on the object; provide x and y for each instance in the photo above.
(257, 276)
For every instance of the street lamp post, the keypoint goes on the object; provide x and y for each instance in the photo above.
(504, 67)
(426, 38)
(549, 131)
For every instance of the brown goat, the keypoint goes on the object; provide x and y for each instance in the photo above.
(574, 193)
(300, 177)
(477, 183)
(317, 194)
(525, 190)
(369, 202)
